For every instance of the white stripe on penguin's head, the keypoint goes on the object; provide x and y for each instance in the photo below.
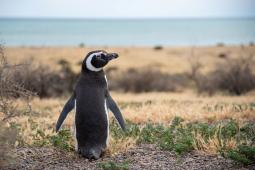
(89, 65)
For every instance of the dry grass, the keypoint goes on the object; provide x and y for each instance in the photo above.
(144, 108)
(163, 107)
(169, 59)
(213, 145)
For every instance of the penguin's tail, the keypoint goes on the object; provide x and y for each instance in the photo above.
(91, 153)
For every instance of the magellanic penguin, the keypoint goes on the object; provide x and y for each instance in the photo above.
(91, 100)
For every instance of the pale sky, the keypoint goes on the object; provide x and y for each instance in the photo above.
(127, 8)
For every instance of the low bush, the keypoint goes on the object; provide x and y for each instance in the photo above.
(146, 80)
(243, 154)
(158, 47)
(61, 140)
(9, 90)
(44, 81)
(132, 130)
(150, 133)
(234, 76)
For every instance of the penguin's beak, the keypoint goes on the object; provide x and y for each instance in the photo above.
(111, 56)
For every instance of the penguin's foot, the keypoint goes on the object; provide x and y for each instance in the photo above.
(91, 154)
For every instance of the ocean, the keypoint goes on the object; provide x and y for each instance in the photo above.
(125, 32)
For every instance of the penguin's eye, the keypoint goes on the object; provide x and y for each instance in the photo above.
(96, 56)
(103, 56)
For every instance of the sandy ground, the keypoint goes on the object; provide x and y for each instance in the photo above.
(141, 157)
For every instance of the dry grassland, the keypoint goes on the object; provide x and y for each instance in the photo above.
(142, 108)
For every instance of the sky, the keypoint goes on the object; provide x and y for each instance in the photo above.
(127, 8)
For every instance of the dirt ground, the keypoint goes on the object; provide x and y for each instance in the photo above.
(142, 157)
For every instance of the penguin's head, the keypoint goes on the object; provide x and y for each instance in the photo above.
(96, 60)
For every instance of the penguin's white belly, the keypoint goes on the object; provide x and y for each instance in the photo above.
(74, 127)
(106, 112)
(107, 116)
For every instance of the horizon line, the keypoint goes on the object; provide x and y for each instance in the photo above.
(126, 18)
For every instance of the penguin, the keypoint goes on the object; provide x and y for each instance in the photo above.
(91, 100)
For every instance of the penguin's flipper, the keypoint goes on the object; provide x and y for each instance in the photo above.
(115, 110)
(67, 108)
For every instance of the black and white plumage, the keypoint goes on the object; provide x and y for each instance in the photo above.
(91, 100)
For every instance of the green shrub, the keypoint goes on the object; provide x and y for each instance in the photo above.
(177, 137)
(204, 129)
(248, 151)
(243, 154)
(230, 129)
(62, 140)
(150, 133)
(166, 141)
(132, 130)
(236, 156)
(40, 139)
(248, 131)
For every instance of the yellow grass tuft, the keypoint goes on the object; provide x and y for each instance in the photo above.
(119, 146)
(213, 145)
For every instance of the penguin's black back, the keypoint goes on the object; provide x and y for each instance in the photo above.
(91, 119)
